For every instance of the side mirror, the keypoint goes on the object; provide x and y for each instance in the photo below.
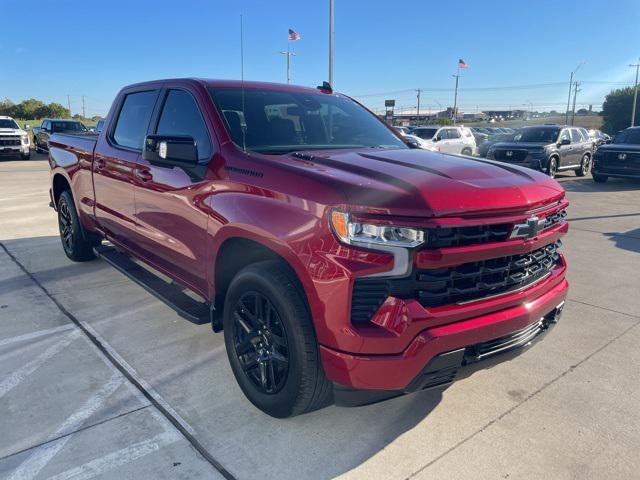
(170, 150)
(565, 141)
(412, 144)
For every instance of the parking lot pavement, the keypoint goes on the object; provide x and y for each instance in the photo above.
(568, 408)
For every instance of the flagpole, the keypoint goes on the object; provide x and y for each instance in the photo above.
(455, 95)
(288, 62)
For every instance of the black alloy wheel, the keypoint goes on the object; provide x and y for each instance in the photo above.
(65, 224)
(260, 342)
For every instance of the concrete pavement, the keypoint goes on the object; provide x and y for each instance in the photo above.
(161, 391)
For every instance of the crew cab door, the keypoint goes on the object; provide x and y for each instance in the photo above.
(578, 147)
(172, 226)
(114, 166)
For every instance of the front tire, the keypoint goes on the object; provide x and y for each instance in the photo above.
(466, 151)
(600, 178)
(25, 156)
(583, 169)
(271, 343)
(75, 243)
(552, 167)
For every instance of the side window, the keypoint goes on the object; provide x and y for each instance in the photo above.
(453, 133)
(576, 137)
(181, 116)
(46, 125)
(133, 120)
(564, 135)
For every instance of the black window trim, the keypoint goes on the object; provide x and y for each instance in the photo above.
(157, 113)
(112, 127)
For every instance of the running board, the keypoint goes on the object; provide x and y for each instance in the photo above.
(170, 293)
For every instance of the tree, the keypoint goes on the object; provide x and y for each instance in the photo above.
(30, 108)
(57, 111)
(444, 121)
(8, 108)
(616, 110)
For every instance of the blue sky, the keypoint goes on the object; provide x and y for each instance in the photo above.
(383, 49)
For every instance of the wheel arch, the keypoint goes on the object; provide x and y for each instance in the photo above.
(59, 184)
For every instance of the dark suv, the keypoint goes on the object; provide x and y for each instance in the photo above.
(620, 158)
(548, 148)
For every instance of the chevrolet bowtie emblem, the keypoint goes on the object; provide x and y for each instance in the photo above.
(528, 230)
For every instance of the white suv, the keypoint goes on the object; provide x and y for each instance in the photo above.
(13, 140)
(450, 139)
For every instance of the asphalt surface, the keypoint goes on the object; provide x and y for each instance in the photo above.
(98, 379)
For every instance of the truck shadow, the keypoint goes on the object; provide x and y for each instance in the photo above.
(627, 241)
(586, 184)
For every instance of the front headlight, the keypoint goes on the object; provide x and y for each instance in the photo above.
(371, 235)
(25, 139)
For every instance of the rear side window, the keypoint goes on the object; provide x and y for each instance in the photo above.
(576, 137)
(133, 121)
(181, 116)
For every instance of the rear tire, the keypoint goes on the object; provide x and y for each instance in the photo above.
(466, 151)
(271, 342)
(600, 178)
(75, 243)
(552, 167)
(585, 164)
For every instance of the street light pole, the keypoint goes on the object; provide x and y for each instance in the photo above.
(289, 54)
(566, 115)
(575, 94)
(331, 43)
(635, 95)
(418, 109)
(455, 96)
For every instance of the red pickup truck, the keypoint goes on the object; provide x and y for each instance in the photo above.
(342, 264)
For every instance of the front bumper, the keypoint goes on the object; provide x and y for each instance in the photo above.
(405, 372)
(14, 150)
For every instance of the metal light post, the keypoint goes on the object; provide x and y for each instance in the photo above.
(635, 95)
(455, 96)
(289, 54)
(331, 43)
(418, 108)
(566, 115)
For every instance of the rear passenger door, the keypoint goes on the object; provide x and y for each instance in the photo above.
(114, 166)
(171, 225)
(578, 144)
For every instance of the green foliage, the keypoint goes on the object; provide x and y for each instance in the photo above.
(444, 121)
(32, 108)
(616, 110)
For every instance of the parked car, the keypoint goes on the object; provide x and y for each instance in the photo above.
(14, 141)
(478, 135)
(450, 139)
(621, 158)
(52, 125)
(402, 130)
(336, 262)
(483, 148)
(547, 148)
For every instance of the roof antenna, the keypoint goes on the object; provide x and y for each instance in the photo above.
(244, 143)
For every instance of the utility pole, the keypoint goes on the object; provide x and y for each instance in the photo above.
(635, 95)
(566, 115)
(331, 43)
(83, 111)
(69, 103)
(418, 109)
(289, 54)
(575, 94)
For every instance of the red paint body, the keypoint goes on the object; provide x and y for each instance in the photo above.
(178, 226)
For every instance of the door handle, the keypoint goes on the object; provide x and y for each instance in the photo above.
(99, 163)
(144, 175)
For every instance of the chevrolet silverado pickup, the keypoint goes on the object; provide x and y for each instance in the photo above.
(14, 141)
(341, 264)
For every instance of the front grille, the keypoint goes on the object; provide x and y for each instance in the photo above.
(463, 236)
(477, 280)
(460, 284)
(9, 142)
(614, 157)
(478, 234)
(516, 155)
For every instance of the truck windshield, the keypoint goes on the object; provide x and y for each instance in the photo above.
(631, 136)
(67, 127)
(278, 122)
(8, 123)
(538, 135)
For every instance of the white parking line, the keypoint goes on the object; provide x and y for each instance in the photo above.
(109, 462)
(43, 454)
(27, 369)
(37, 334)
(141, 381)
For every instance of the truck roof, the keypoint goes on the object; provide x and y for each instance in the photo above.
(218, 83)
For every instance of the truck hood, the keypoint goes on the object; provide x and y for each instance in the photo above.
(421, 183)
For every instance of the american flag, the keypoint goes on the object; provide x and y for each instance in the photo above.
(461, 63)
(293, 36)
